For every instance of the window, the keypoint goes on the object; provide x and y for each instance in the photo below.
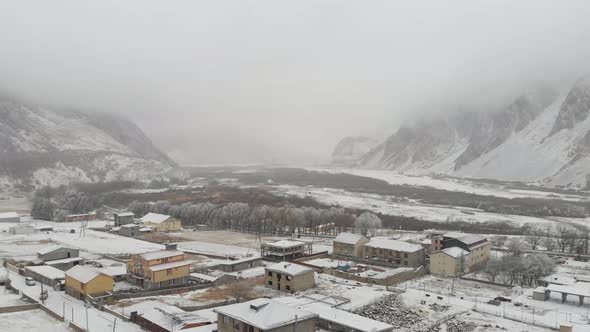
(405, 262)
(169, 271)
(288, 288)
(270, 283)
(269, 273)
(236, 324)
(288, 278)
(406, 255)
(225, 320)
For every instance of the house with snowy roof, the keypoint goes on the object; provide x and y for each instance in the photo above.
(479, 247)
(264, 315)
(289, 277)
(83, 281)
(396, 252)
(161, 222)
(349, 245)
(450, 262)
(159, 269)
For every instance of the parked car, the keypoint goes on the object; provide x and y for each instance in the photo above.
(30, 281)
(503, 299)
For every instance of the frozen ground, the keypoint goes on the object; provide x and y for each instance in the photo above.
(436, 213)
(25, 246)
(452, 184)
(31, 321)
(20, 203)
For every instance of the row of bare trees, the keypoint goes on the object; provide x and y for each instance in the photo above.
(264, 219)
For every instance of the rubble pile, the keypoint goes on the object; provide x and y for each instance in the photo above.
(460, 326)
(438, 307)
(393, 312)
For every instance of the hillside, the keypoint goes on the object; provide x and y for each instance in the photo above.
(41, 146)
(542, 137)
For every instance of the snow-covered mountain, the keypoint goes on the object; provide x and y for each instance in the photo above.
(541, 137)
(350, 149)
(41, 146)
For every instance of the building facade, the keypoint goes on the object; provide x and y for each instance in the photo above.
(123, 218)
(159, 269)
(285, 250)
(349, 245)
(55, 252)
(479, 248)
(82, 281)
(289, 277)
(161, 222)
(395, 252)
(450, 262)
(129, 230)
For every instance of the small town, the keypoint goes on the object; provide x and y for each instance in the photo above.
(124, 272)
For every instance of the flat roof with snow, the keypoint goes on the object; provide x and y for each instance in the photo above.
(161, 254)
(468, 239)
(8, 215)
(384, 243)
(155, 218)
(124, 214)
(63, 261)
(52, 248)
(285, 244)
(265, 314)
(240, 261)
(47, 272)
(289, 268)
(130, 226)
(348, 238)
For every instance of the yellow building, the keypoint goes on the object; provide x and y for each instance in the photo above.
(450, 262)
(159, 269)
(82, 281)
(161, 222)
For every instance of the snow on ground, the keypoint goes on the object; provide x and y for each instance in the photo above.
(436, 213)
(25, 246)
(31, 321)
(451, 184)
(217, 249)
(9, 299)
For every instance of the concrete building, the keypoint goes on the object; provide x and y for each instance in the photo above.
(479, 248)
(263, 315)
(66, 263)
(159, 269)
(395, 252)
(130, 230)
(240, 264)
(163, 317)
(123, 218)
(21, 229)
(55, 252)
(289, 277)
(450, 262)
(46, 274)
(9, 217)
(82, 281)
(285, 250)
(349, 245)
(161, 222)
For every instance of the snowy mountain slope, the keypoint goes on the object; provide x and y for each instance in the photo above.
(41, 146)
(541, 137)
(351, 148)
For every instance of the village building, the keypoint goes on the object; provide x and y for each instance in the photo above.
(83, 281)
(161, 222)
(349, 245)
(123, 218)
(289, 277)
(394, 251)
(21, 229)
(56, 252)
(479, 248)
(159, 269)
(81, 217)
(46, 275)
(240, 264)
(216, 278)
(163, 317)
(264, 315)
(66, 263)
(285, 250)
(130, 230)
(9, 217)
(450, 262)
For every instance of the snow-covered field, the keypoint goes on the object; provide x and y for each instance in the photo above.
(436, 213)
(31, 321)
(452, 184)
(93, 242)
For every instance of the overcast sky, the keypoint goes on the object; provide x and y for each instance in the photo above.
(283, 81)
